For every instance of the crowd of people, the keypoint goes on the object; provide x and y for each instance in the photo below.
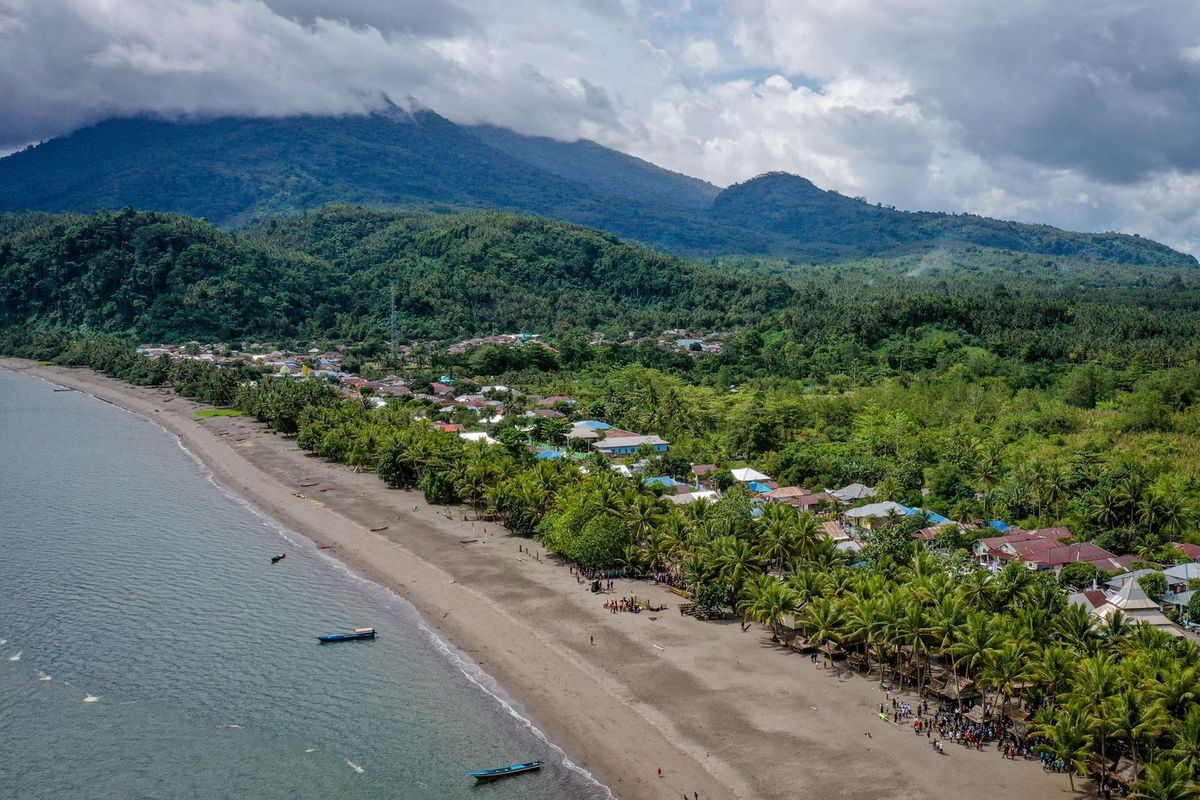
(952, 724)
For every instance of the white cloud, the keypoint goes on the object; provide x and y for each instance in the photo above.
(1080, 113)
(702, 55)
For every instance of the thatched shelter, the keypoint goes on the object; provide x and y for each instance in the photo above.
(801, 644)
(1125, 773)
(832, 649)
(955, 690)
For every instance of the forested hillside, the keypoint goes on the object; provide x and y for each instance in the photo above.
(234, 171)
(329, 274)
(793, 213)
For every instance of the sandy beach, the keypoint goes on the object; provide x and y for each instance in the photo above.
(724, 713)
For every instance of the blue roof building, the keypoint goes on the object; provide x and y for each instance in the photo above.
(665, 481)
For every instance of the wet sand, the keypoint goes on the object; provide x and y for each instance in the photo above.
(724, 713)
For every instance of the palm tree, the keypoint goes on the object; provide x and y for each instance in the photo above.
(735, 561)
(1012, 584)
(1075, 626)
(1004, 668)
(1053, 485)
(1135, 719)
(472, 485)
(777, 544)
(976, 589)
(917, 636)
(1068, 738)
(1185, 740)
(864, 624)
(1176, 688)
(1096, 681)
(825, 620)
(946, 623)
(642, 516)
(1114, 629)
(807, 529)
(977, 639)
(1166, 780)
(1054, 672)
(769, 600)
(989, 468)
(1105, 507)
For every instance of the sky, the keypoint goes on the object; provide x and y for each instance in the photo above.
(1080, 113)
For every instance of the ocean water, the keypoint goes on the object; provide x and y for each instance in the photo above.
(128, 575)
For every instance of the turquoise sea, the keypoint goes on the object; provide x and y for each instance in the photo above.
(128, 575)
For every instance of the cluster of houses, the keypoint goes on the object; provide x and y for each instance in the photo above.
(677, 340)
(848, 515)
(1125, 593)
(499, 340)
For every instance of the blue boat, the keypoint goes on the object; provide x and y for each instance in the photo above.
(504, 772)
(359, 633)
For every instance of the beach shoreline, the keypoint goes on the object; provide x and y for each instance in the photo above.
(722, 712)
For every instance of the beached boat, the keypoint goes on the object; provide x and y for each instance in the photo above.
(504, 772)
(359, 633)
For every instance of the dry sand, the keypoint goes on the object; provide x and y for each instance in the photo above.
(723, 713)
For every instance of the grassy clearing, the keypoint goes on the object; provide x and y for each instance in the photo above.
(218, 412)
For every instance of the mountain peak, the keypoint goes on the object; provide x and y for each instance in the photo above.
(235, 170)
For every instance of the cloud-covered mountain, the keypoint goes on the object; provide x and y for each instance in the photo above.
(235, 170)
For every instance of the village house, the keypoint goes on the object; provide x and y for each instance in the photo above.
(1046, 549)
(1132, 601)
(748, 475)
(629, 445)
(1192, 551)
(1180, 576)
(853, 492)
(872, 515)
(994, 552)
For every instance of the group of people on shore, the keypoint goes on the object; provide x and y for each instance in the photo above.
(624, 604)
(952, 724)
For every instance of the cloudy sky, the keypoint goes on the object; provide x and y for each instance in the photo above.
(1081, 113)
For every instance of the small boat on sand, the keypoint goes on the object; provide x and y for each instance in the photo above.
(277, 558)
(359, 633)
(504, 772)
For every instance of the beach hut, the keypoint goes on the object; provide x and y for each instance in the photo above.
(956, 690)
(1126, 773)
(801, 644)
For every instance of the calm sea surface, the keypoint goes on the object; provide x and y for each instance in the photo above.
(126, 574)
